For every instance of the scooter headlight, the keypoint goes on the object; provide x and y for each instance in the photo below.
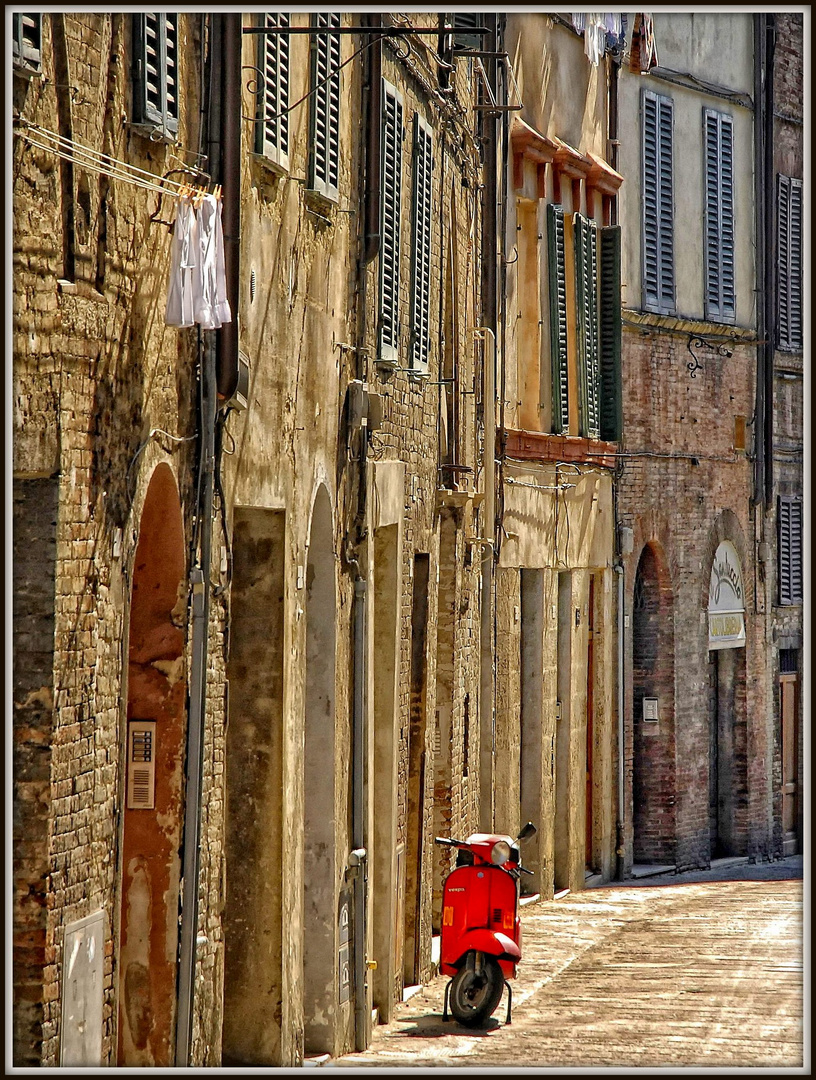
(500, 852)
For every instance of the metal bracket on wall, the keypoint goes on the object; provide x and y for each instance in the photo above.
(697, 342)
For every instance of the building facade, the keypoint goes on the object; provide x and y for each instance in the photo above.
(700, 738)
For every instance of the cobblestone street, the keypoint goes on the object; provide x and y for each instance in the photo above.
(694, 970)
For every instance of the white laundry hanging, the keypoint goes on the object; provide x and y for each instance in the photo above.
(197, 290)
(179, 310)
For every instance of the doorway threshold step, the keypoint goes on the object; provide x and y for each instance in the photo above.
(651, 870)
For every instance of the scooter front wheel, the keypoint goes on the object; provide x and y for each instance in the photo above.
(473, 998)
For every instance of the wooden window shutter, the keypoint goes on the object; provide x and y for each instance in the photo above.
(155, 72)
(789, 523)
(391, 199)
(27, 41)
(464, 23)
(558, 317)
(610, 321)
(272, 130)
(658, 203)
(141, 765)
(421, 277)
(586, 299)
(324, 172)
(789, 263)
(720, 298)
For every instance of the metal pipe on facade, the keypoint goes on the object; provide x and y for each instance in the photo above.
(489, 324)
(361, 1011)
(372, 107)
(768, 194)
(230, 174)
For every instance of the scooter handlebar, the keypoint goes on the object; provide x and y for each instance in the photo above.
(449, 843)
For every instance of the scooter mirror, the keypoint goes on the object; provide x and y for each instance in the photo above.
(528, 831)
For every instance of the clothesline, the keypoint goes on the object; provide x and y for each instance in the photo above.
(103, 164)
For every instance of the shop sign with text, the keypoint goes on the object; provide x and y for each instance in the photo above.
(726, 603)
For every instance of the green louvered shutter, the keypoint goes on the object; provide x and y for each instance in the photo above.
(390, 202)
(586, 301)
(324, 171)
(272, 132)
(421, 254)
(610, 289)
(558, 317)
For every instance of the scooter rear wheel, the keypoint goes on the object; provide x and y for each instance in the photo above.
(473, 998)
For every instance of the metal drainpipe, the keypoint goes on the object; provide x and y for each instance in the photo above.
(489, 259)
(768, 201)
(761, 254)
(223, 130)
(371, 247)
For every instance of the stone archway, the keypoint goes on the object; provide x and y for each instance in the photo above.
(653, 770)
(153, 782)
(320, 889)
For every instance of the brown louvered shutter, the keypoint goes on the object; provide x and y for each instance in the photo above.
(720, 298)
(586, 299)
(789, 523)
(556, 267)
(789, 263)
(658, 203)
(325, 151)
(156, 77)
(421, 274)
(391, 188)
(610, 323)
(272, 132)
(27, 41)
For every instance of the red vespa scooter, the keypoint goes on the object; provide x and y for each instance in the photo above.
(481, 930)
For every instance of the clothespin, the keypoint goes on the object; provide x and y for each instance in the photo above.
(217, 191)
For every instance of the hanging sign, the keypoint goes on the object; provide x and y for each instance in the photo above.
(726, 604)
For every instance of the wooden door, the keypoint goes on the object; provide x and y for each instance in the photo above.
(589, 717)
(790, 742)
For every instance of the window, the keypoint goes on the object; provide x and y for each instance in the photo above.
(595, 357)
(391, 188)
(272, 130)
(27, 42)
(324, 160)
(658, 204)
(720, 301)
(421, 247)
(790, 550)
(789, 263)
(155, 67)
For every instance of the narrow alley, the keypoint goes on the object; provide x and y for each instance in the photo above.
(691, 970)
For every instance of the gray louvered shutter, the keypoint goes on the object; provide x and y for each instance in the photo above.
(610, 322)
(790, 550)
(421, 275)
(556, 273)
(789, 263)
(720, 299)
(325, 152)
(156, 89)
(272, 130)
(658, 203)
(464, 23)
(27, 41)
(391, 199)
(586, 300)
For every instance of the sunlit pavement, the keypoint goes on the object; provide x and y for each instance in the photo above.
(697, 970)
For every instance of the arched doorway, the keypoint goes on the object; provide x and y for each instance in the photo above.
(320, 886)
(653, 772)
(152, 814)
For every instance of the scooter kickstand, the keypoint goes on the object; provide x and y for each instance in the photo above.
(509, 1002)
(445, 1002)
